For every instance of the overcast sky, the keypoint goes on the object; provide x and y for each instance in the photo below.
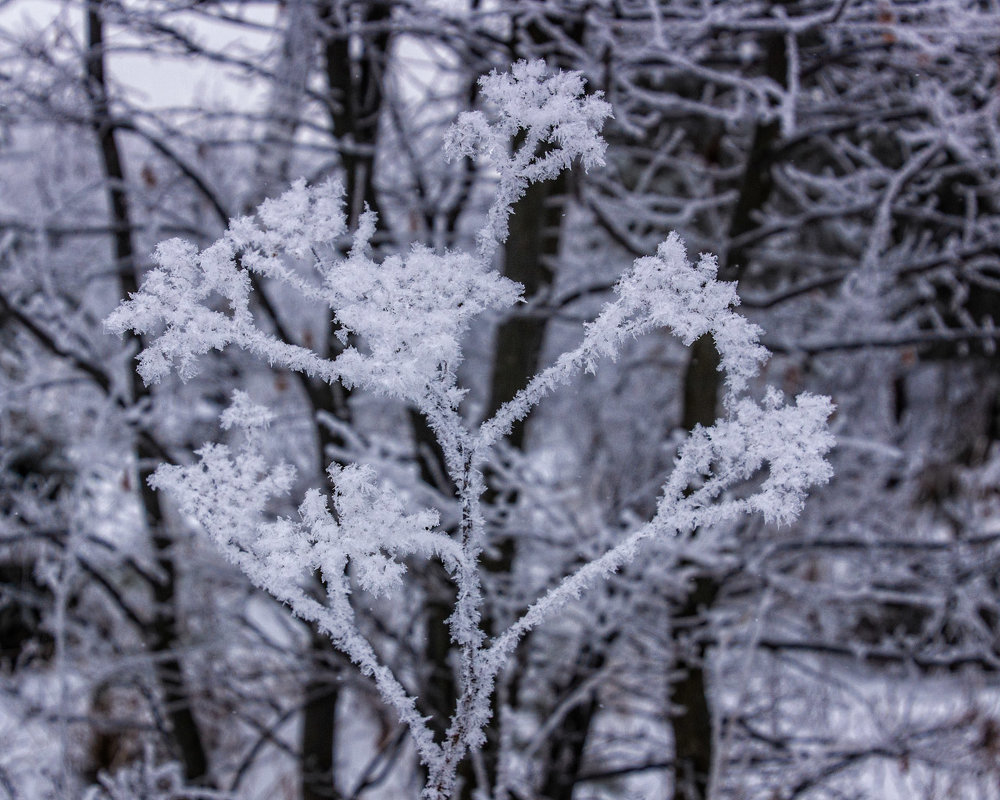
(158, 81)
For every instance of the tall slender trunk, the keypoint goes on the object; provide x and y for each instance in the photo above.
(164, 635)
(287, 96)
(317, 778)
(690, 713)
(569, 741)
(353, 64)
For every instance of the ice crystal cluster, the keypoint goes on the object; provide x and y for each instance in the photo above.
(402, 320)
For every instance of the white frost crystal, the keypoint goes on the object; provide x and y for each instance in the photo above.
(407, 316)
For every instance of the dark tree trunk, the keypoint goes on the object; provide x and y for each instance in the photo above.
(569, 740)
(355, 79)
(163, 636)
(320, 708)
(690, 714)
(354, 82)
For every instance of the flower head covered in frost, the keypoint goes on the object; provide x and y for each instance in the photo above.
(179, 299)
(410, 311)
(560, 124)
(787, 441)
(409, 314)
(229, 492)
(666, 290)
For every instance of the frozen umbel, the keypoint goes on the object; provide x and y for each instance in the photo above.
(402, 322)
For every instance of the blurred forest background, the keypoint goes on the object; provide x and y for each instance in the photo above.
(842, 158)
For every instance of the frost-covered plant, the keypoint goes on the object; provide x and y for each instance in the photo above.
(402, 323)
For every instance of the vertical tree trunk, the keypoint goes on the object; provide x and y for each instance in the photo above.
(317, 778)
(568, 742)
(163, 637)
(354, 82)
(690, 714)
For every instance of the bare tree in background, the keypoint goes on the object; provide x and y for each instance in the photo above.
(840, 157)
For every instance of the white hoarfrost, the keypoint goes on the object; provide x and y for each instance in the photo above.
(552, 122)
(407, 315)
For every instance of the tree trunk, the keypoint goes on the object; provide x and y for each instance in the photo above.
(354, 82)
(320, 708)
(163, 637)
(569, 740)
(690, 714)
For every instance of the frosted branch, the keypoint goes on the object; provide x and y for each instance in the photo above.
(789, 442)
(664, 290)
(229, 494)
(402, 322)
